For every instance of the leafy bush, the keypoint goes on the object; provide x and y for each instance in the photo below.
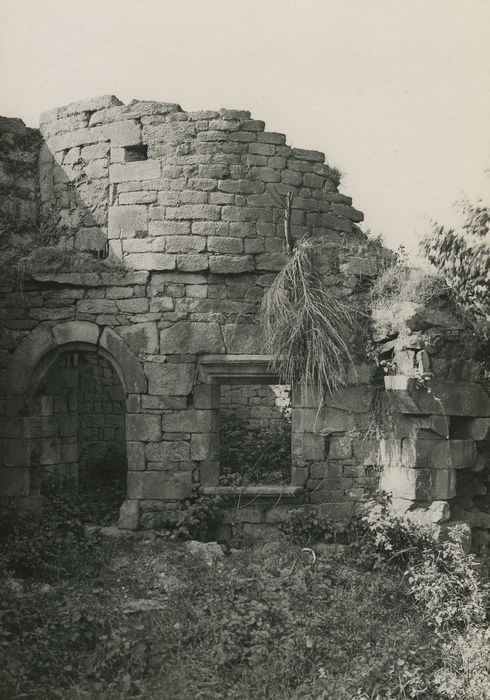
(52, 542)
(462, 255)
(249, 456)
(270, 622)
(197, 520)
(306, 528)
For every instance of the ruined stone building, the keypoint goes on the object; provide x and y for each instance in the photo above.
(135, 358)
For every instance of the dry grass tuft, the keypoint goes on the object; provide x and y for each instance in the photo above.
(306, 328)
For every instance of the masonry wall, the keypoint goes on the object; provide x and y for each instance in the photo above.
(19, 203)
(190, 204)
(258, 406)
(436, 421)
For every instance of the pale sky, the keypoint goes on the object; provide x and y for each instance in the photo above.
(396, 92)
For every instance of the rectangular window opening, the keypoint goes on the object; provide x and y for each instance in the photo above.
(254, 434)
(132, 153)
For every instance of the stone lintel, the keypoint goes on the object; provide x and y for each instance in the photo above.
(237, 369)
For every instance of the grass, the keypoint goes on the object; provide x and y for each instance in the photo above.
(306, 328)
(142, 617)
(155, 621)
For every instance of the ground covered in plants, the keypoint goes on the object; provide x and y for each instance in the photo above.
(372, 610)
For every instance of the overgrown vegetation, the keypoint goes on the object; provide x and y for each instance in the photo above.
(462, 256)
(399, 283)
(374, 609)
(254, 456)
(306, 328)
(17, 265)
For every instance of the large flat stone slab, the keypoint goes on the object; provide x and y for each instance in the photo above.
(445, 398)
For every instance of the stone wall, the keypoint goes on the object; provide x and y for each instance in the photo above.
(19, 204)
(435, 449)
(190, 203)
(100, 418)
(256, 406)
(202, 197)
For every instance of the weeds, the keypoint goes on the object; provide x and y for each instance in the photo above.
(390, 615)
(306, 328)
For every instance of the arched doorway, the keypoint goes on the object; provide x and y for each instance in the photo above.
(77, 418)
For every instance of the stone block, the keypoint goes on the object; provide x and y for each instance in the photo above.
(160, 485)
(246, 214)
(189, 421)
(446, 398)
(355, 399)
(140, 197)
(192, 262)
(209, 473)
(28, 352)
(192, 338)
(75, 332)
(167, 451)
(271, 261)
(428, 454)
(435, 512)
(92, 104)
(135, 454)
(243, 339)
(206, 396)
(167, 228)
(173, 379)
(241, 186)
(14, 481)
(144, 245)
(185, 244)
(320, 470)
(141, 338)
(151, 261)
(127, 221)
(308, 446)
(419, 484)
(225, 245)
(129, 369)
(203, 446)
(93, 152)
(128, 515)
(340, 448)
(474, 429)
(97, 306)
(231, 264)
(16, 452)
(135, 170)
(311, 156)
(206, 212)
(327, 421)
(402, 482)
(366, 451)
(143, 427)
(299, 476)
(69, 453)
(403, 425)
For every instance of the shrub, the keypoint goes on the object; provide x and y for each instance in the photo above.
(251, 456)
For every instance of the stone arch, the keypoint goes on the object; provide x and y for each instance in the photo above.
(31, 362)
(37, 352)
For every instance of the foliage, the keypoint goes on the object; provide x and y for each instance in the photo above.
(52, 541)
(270, 622)
(462, 256)
(399, 283)
(306, 528)
(197, 520)
(306, 327)
(252, 456)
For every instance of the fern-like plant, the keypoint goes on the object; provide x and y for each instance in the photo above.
(306, 328)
